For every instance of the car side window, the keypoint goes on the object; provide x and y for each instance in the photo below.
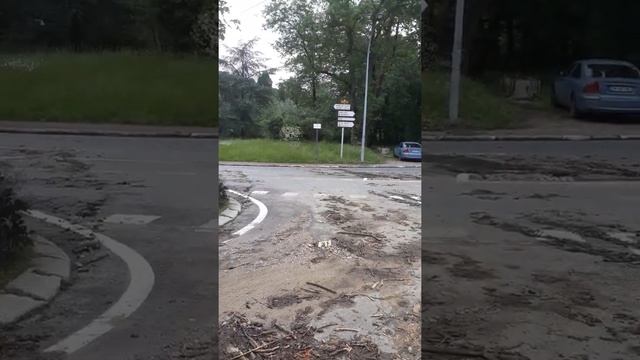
(576, 73)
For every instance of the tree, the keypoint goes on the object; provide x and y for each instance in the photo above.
(244, 61)
(325, 43)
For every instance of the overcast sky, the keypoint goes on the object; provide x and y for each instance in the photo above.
(249, 13)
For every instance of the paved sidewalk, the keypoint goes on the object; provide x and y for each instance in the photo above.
(38, 285)
(59, 128)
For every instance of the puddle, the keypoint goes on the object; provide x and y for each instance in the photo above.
(358, 316)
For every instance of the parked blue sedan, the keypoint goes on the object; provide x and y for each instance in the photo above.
(598, 86)
(408, 151)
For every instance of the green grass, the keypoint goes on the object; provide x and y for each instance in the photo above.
(480, 106)
(276, 151)
(11, 269)
(125, 88)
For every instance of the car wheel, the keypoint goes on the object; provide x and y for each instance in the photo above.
(573, 108)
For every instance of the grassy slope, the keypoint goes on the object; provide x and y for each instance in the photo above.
(110, 88)
(480, 106)
(288, 152)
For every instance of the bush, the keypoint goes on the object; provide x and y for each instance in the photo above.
(222, 194)
(13, 232)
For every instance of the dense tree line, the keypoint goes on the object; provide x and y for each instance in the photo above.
(159, 25)
(536, 36)
(325, 44)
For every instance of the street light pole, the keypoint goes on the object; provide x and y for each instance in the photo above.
(456, 60)
(366, 91)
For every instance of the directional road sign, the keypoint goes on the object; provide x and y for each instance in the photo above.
(342, 106)
(345, 124)
(317, 126)
(346, 119)
(346, 113)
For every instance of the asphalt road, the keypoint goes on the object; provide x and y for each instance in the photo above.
(523, 262)
(149, 194)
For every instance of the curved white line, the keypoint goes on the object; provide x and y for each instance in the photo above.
(141, 282)
(261, 215)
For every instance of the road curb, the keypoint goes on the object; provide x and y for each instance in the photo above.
(324, 166)
(230, 212)
(109, 133)
(528, 137)
(36, 286)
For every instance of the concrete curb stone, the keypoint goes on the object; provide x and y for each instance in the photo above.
(323, 166)
(211, 135)
(528, 137)
(230, 213)
(38, 285)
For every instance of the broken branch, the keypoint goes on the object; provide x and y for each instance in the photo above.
(321, 287)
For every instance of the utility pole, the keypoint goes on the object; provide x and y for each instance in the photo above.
(456, 60)
(366, 91)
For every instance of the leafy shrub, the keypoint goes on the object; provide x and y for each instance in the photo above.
(222, 193)
(13, 232)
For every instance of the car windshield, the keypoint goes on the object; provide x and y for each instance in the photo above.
(612, 71)
(412, 145)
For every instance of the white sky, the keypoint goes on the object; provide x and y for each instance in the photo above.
(249, 13)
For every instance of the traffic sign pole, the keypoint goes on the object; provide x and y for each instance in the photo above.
(317, 148)
(341, 143)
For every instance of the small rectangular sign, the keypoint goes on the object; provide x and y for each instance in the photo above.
(345, 124)
(346, 119)
(342, 106)
(317, 126)
(346, 113)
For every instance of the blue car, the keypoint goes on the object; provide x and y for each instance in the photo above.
(408, 151)
(598, 86)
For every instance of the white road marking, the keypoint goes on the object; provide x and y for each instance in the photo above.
(397, 197)
(131, 219)
(290, 194)
(416, 198)
(320, 195)
(263, 211)
(141, 280)
(259, 192)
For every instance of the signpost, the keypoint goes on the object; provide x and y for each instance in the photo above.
(345, 119)
(317, 127)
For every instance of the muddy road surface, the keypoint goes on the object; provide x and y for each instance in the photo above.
(152, 195)
(535, 257)
(332, 271)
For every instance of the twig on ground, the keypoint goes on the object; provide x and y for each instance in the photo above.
(359, 234)
(321, 287)
(326, 326)
(346, 329)
(258, 348)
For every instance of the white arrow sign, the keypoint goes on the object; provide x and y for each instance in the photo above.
(345, 124)
(346, 113)
(346, 119)
(342, 106)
